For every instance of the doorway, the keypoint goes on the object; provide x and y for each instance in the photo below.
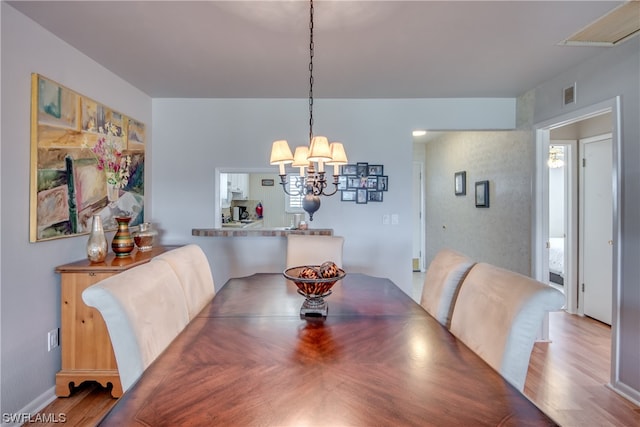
(561, 172)
(549, 133)
(417, 217)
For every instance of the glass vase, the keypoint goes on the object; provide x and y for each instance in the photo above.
(122, 243)
(144, 236)
(97, 243)
(113, 193)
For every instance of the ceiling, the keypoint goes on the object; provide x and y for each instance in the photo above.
(363, 49)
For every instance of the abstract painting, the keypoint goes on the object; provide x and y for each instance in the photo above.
(86, 159)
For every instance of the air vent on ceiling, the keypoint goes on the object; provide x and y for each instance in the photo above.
(615, 27)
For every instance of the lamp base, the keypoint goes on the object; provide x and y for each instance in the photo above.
(314, 307)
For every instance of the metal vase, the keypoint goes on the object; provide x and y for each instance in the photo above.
(122, 243)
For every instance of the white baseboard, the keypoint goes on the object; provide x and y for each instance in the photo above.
(22, 416)
(627, 392)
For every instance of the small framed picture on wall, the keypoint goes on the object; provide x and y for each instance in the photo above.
(348, 196)
(361, 196)
(482, 194)
(460, 183)
(374, 196)
(342, 182)
(383, 183)
(349, 170)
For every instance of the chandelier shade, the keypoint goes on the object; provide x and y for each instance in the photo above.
(338, 157)
(281, 154)
(300, 158)
(319, 150)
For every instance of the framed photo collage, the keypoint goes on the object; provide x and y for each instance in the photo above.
(363, 183)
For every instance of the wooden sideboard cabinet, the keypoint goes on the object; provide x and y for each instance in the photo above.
(87, 354)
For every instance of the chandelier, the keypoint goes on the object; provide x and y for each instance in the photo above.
(555, 157)
(310, 159)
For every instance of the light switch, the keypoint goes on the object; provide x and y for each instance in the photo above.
(385, 219)
(395, 219)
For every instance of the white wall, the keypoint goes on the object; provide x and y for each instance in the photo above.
(195, 136)
(616, 72)
(29, 287)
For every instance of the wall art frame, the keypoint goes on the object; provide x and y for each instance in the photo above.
(342, 182)
(460, 183)
(348, 196)
(482, 194)
(376, 170)
(363, 183)
(374, 196)
(361, 196)
(86, 159)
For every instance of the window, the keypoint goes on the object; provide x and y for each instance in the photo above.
(293, 204)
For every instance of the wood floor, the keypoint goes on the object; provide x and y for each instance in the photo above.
(567, 379)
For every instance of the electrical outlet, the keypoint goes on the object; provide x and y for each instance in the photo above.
(395, 219)
(53, 339)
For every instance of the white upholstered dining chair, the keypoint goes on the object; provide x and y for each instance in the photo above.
(498, 314)
(313, 250)
(192, 268)
(144, 309)
(442, 282)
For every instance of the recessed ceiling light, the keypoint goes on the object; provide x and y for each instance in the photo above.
(419, 132)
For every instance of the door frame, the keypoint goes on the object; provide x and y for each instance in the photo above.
(419, 192)
(541, 207)
(570, 225)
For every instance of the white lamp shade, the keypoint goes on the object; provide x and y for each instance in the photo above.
(300, 158)
(281, 153)
(319, 150)
(338, 155)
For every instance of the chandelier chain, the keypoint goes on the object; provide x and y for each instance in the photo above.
(311, 70)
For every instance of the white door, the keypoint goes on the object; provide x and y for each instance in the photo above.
(597, 228)
(416, 217)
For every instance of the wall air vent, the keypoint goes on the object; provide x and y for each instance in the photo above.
(569, 95)
(615, 27)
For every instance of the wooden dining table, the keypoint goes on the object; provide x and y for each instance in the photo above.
(377, 359)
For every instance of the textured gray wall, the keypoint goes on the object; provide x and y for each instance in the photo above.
(500, 234)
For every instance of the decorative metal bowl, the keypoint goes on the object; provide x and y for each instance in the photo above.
(313, 289)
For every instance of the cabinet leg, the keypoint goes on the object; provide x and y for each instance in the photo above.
(116, 389)
(67, 380)
(63, 388)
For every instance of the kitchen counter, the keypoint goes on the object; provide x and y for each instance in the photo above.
(258, 231)
(243, 224)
